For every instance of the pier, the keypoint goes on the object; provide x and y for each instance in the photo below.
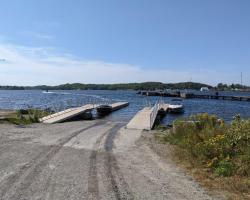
(195, 96)
(73, 112)
(145, 118)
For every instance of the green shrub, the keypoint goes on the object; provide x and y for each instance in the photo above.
(224, 168)
(29, 116)
(225, 149)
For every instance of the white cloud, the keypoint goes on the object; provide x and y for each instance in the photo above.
(33, 66)
(37, 35)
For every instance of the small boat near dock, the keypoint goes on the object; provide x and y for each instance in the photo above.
(175, 109)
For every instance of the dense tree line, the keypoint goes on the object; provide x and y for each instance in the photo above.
(121, 86)
(222, 86)
(7, 87)
(129, 86)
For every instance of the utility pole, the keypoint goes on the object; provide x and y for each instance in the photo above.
(241, 79)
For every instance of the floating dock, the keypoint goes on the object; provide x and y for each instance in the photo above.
(67, 114)
(73, 112)
(141, 120)
(119, 105)
(145, 118)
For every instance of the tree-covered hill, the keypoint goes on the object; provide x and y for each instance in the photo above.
(120, 86)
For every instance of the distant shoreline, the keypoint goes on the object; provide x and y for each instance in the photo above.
(132, 86)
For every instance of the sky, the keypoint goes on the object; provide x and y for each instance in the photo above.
(117, 41)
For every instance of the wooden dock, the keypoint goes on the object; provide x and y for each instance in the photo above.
(67, 114)
(73, 112)
(119, 105)
(145, 118)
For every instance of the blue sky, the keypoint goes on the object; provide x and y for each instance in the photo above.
(111, 41)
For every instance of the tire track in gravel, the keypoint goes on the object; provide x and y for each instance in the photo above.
(29, 172)
(93, 187)
(93, 191)
(117, 182)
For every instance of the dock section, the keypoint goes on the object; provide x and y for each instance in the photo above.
(118, 105)
(67, 114)
(73, 112)
(145, 118)
(141, 120)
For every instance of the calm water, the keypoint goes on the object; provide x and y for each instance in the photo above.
(59, 100)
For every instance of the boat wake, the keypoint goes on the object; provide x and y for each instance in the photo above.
(45, 92)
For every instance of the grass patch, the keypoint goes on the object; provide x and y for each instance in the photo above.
(216, 152)
(25, 117)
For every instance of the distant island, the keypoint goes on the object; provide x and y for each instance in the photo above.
(130, 86)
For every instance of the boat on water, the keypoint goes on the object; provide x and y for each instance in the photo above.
(104, 109)
(47, 92)
(175, 109)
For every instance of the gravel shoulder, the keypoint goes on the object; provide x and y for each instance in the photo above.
(87, 160)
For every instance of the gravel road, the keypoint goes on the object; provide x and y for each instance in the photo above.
(86, 160)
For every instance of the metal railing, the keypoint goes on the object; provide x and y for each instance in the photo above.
(158, 105)
(154, 113)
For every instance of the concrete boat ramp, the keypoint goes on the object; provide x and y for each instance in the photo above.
(73, 112)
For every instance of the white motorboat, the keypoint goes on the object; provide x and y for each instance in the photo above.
(175, 109)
